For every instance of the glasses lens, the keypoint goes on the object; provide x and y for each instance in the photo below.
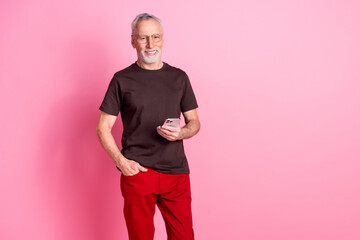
(143, 38)
(156, 37)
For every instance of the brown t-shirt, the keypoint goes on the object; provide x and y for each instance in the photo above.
(145, 98)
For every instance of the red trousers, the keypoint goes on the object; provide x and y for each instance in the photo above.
(171, 193)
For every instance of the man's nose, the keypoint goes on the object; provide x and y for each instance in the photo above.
(149, 42)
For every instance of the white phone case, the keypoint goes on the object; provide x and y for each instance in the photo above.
(172, 122)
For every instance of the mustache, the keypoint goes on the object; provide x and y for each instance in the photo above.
(153, 49)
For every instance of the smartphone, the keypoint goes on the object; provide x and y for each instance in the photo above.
(172, 122)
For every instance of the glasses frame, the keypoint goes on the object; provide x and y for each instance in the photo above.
(142, 39)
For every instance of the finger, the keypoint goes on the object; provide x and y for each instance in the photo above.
(165, 135)
(161, 132)
(135, 171)
(128, 174)
(142, 169)
(131, 169)
(170, 129)
(165, 131)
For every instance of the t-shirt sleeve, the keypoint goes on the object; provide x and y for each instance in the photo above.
(188, 100)
(112, 100)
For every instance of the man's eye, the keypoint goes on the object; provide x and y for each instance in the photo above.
(156, 36)
(142, 38)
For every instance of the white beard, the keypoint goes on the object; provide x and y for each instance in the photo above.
(151, 60)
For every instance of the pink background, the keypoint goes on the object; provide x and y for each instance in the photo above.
(278, 86)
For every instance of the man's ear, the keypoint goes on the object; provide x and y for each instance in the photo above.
(132, 42)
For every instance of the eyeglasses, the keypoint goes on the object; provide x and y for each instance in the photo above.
(144, 38)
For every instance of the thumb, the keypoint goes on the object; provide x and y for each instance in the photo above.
(142, 169)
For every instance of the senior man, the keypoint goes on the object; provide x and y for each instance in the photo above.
(152, 161)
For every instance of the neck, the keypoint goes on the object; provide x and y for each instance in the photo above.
(151, 66)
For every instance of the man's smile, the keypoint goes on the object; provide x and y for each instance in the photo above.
(151, 52)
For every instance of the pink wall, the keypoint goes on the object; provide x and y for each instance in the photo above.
(278, 86)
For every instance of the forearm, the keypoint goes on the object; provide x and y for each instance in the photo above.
(190, 129)
(109, 144)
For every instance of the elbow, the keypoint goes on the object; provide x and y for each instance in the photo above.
(100, 131)
(198, 126)
(195, 127)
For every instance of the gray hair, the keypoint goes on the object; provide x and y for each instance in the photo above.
(144, 16)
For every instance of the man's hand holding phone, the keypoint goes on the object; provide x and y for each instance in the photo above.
(170, 129)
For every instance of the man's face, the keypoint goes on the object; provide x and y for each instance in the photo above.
(147, 42)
